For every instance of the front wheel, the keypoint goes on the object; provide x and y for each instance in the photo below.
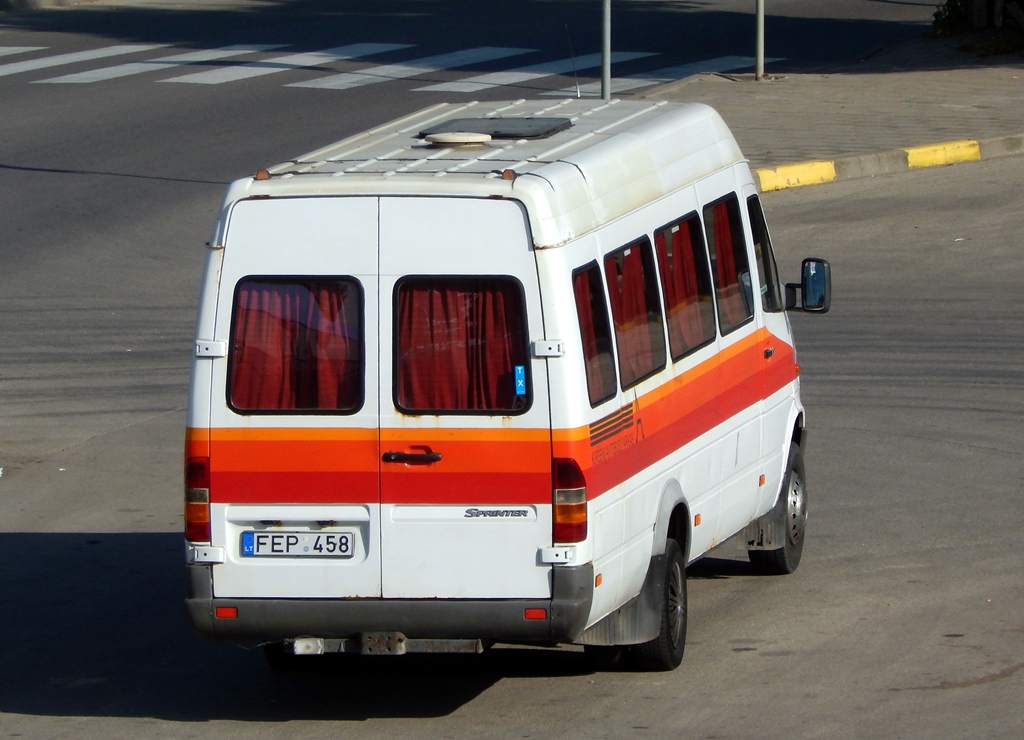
(791, 508)
(665, 652)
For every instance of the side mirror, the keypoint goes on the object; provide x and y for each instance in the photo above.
(815, 287)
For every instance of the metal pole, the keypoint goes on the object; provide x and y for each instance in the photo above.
(759, 45)
(606, 50)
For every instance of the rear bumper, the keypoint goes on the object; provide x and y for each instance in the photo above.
(502, 620)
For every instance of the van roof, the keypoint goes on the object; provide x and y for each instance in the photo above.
(575, 164)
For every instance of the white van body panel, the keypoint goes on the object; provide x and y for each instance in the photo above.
(449, 514)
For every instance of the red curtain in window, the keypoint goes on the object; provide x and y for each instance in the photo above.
(458, 343)
(296, 346)
(729, 296)
(591, 359)
(629, 310)
(679, 282)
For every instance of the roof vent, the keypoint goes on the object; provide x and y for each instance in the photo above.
(500, 128)
(457, 138)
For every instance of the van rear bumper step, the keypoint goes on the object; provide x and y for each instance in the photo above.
(504, 620)
(380, 643)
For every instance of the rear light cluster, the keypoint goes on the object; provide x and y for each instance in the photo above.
(570, 501)
(197, 499)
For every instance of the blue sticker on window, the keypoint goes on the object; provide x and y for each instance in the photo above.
(520, 380)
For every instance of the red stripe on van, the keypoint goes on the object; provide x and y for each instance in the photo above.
(293, 487)
(471, 488)
(339, 465)
(486, 466)
(281, 465)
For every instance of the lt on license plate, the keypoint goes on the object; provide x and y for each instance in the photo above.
(297, 544)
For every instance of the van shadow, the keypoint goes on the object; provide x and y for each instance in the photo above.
(716, 568)
(94, 625)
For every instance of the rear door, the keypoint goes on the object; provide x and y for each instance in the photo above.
(294, 462)
(465, 442)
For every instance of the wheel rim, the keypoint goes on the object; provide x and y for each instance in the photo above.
(676, 605)
(796, 510)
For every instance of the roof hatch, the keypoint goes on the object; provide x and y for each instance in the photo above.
(501, 128)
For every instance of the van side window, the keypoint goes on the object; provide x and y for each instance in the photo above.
(296, 345)
(595, 333)
(686, 285)
(636, 311)
(729, 263)
(461, 346)
(768, 272)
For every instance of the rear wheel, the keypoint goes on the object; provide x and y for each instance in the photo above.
(665, 652)
(791, 508)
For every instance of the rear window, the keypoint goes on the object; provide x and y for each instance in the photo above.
(296, 345)
(461, 346)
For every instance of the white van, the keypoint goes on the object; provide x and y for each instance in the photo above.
(494, 372)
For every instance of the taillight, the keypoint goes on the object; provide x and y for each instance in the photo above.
(197, 499)
(570, 501)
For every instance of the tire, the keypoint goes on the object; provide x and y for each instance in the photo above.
(792, 505)
(665, 652)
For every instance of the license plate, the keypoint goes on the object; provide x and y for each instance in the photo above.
(297, 544)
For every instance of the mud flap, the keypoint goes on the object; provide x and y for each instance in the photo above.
(639, 619)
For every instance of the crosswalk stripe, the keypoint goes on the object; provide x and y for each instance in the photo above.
(413, 68)
(661, 76)
(348, 80)
(78, 56)
(151, 65)
(9, 50)
(533, 72)
(282, 64)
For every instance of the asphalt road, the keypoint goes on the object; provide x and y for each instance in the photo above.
(109, 184)
(904, 620)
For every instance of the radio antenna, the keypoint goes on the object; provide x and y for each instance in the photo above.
(572, 56)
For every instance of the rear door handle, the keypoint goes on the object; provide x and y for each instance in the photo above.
(411, 457)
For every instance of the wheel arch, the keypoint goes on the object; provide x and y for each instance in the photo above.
(672, 520)
(639, 620)
(799, 437)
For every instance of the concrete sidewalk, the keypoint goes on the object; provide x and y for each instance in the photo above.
(916, 103)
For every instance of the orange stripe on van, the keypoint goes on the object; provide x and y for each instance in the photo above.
(413, 435)
(483, 466)
(678, 412)
(331, 465)
(496, 466)
(286, 465)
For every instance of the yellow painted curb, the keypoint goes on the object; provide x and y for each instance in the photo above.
(795, 175)
(949, 152)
